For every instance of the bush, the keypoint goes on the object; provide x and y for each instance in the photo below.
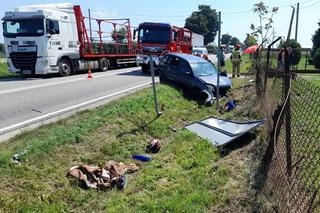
(316, 59)
(211, 49)
(296, 49)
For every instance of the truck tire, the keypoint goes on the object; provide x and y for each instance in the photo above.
(65, 68)
(145, 68)
(104, 64)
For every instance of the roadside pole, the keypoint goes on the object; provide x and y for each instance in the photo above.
(290, 26)
(154, 87)
(218, 77)
(297, 22)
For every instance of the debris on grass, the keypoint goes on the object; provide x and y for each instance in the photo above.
(220, 132)
(102, 178)
(143, 158)
(154, 146)
(230, 105)
(16, 158)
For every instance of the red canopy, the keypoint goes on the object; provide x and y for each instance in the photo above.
(251, 49)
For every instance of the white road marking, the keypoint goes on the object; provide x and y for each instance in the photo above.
(60, 82)
(59, 112)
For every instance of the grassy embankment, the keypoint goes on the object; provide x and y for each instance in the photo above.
(188, 174)
(245, 64)
(4, 73)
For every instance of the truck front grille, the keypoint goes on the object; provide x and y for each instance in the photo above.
(24, 60)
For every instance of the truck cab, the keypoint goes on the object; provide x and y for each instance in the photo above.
(41, 39)
(156, 39)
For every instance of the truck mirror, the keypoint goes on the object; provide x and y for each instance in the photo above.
(49, 35)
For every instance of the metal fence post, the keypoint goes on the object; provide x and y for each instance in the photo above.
(219, 52)
(287, 79)
(154, 87)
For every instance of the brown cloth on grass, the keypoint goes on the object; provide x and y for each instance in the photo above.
(101, 177)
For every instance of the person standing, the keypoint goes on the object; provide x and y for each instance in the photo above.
(236, 60)
(221, 61)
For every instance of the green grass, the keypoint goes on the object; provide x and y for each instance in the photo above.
(244, 67)
(4, 73)
(313, 78)
(187, 175)
(316, 82)
(302, 64)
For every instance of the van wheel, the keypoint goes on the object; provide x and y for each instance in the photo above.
(145, 68)
(104, 64)
(64, 68)
(162, 78)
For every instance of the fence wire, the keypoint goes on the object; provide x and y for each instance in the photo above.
(293, 175)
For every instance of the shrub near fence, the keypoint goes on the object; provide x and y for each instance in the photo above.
(293, 157)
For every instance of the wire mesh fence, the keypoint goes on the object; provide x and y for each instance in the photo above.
(293, 172)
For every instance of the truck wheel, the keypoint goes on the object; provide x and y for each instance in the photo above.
(145, 68)
(104, 64)
(64, 68)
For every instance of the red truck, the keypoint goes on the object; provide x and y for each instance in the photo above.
(156, 39)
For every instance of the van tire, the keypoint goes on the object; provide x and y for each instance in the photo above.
(162, 78)
(145, 68)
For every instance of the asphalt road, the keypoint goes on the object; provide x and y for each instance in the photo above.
(30, 102)
(25, 102)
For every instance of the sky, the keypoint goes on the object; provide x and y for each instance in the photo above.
(236, 15)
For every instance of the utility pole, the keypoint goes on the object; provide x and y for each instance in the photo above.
(290, 26)
(297, 22)
(219, 49)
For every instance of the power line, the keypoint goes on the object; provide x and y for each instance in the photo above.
(310, 5)
(225, 13)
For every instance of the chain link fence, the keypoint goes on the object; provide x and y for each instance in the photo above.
(293, 156)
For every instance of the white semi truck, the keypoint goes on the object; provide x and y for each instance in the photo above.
(53, 38)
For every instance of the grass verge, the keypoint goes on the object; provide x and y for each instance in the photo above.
(187, 175)
(244, 66)
(4, 73)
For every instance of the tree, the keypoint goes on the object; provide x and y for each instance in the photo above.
(250, 40)
(2, 52)
(204, 22)
(296, 50)
(316, 59)
(234, 41)
(119, 35)
(265, 21)
(315, 41)
(211, 49)
(225, 38)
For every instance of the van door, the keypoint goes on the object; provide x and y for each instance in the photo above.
(173, 68)
(185, 74)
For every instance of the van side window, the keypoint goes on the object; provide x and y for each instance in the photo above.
(168, 60)
(52, 26)
(175, 61)
(184, 67)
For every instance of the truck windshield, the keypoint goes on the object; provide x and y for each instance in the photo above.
(23, 27)
(159, 36)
